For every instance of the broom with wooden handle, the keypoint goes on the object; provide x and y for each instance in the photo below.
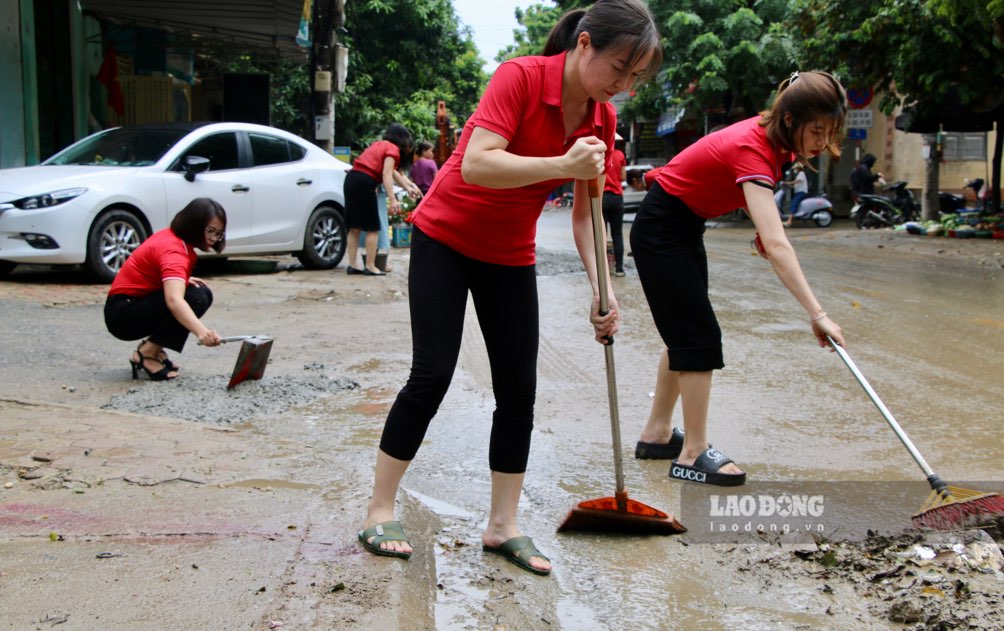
(946, 507)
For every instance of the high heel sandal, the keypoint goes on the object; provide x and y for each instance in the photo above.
(160, 375)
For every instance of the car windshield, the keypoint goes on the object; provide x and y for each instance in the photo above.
(124, 146)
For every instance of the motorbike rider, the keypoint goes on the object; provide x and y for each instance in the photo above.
(862, 178)
(799, 185)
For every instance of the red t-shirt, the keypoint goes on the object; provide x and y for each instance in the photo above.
(523, 104)
(370, 161)
(615, 163)
(708, 175)
(162, 257)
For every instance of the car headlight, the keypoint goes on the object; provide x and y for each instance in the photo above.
(47, 200)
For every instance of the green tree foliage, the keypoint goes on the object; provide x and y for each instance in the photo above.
(405, 56)
(535, 23)
(719, 55)
(912, 51)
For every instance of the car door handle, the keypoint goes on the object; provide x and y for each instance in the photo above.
(240, 188)
(304, 182)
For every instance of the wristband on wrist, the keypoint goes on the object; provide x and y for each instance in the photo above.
(819, 317)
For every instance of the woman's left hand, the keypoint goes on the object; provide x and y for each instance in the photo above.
(414, 192)
(604, 326)
(825, 326)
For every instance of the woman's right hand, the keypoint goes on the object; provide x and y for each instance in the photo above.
(585, 159)
(393, 205)
(209, 338)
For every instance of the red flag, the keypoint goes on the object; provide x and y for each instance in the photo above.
(108, 75)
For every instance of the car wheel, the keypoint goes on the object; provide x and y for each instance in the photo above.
(823, 218)
(113, 237)
(6, 267)
(324, 240)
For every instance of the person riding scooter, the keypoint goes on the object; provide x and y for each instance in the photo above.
(799, 185)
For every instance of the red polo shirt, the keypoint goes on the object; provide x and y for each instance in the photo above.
(370, 161)
(164, 256)
(613, 183)
(708, 175)
(523, 104)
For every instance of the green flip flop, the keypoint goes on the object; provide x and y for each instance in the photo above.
(386, 531)
(519, 551)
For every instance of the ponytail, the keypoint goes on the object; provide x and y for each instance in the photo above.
(564, 34)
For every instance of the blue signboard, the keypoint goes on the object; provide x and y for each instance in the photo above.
(857, 134)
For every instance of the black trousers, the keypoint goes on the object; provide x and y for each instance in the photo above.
(505, 299)
(132, 318)
(613, 214)
(667, 241)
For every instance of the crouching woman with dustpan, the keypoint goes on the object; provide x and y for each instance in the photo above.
(154, 296)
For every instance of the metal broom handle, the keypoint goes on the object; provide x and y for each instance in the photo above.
(882, 408)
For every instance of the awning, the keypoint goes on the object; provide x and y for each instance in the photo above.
(271, 24)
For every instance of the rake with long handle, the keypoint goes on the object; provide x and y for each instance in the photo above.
(947, 507)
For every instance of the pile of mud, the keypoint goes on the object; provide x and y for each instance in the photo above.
(207, 400)
(923, 580)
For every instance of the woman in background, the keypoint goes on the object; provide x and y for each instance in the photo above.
(378, 164)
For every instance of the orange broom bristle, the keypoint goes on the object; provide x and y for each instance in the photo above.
(975, 511)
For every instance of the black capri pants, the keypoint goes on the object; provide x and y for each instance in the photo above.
(134, 317)
(505, 299)
(667, 240)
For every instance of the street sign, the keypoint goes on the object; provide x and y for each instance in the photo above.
(857, 134)
(859, 98)
(861, 119)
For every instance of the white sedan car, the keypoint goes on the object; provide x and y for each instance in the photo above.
(94, 202)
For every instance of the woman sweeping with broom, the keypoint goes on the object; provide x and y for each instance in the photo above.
(542, 122)
(736, 167)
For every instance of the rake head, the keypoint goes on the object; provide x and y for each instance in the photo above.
(960, 508)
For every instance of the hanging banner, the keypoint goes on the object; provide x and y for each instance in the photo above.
(303, 33)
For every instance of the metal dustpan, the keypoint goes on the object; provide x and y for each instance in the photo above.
(252, 358)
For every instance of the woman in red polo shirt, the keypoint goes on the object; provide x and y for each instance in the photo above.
(377, 165)
(737, 167)
(541, 122)
(613, 203)
(155, 294)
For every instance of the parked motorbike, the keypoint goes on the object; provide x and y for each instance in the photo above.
(815, 208)
(881, 211)
(949, 203)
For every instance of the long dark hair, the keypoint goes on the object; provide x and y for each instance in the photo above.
(400, 136)
(611, 24)
(806, 96)
(190, 223)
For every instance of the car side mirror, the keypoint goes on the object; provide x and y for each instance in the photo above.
(193, 165)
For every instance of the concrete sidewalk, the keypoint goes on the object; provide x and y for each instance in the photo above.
(119, 521)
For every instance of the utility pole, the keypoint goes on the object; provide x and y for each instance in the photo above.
(328, 64)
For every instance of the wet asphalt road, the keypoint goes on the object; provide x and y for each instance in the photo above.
(927, 330)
